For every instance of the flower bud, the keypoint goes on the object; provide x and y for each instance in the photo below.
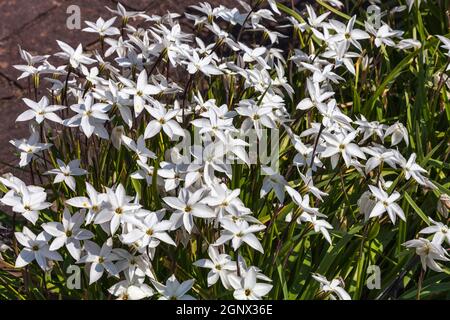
(443, 205)
(116, 136)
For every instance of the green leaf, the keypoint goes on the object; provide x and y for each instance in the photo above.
(399, 68)
(416, 208)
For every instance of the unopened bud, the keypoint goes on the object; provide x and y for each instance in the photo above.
(116, 137)
(443, 205)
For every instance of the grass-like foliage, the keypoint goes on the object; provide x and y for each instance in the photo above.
(268, 151)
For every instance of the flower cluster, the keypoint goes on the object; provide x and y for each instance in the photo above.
(132, 203)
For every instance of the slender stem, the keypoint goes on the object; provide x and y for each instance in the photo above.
(66, 84)
(102, 45)
(315, 144)
(343, 187)
(440, 84)
(32, 173)
(35, 93)
(379, 172)
(161, 55)
(245, 20)
(419, 287)
(186, 89)
(43, 138)
(44, 283)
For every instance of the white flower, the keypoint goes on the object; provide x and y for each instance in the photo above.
(314, 20)
(67, 172)
(383, 35)
(366, 203)
(243, 270)
(379, 155)
(321, 75)
(90, 116)
(171, 174)
(341, 144)
(304, 155)
(40, 111)
(273, 6)
(412, 2)
(333, 117)
(140, 90)
(28, 203)
(239, 232)
(369, 128)
(246, 288)
(114, 95)
(163, 120)
(94, 204)
(145, 172)
(35, 248)
(335, 287)
(29, 69)
(132, 288)
(234, 147)
(68, 233)
(223, 199)
(204, 65)
(220, 264)
(210, 159)
(385, 203)
(440, 232)
(336, 3)
(149, 231)
(398, 132)
(29, 147)
(303, 203)
(75, 56)
(101, 259)
(408, 44)
(139, 148)
(428, 253)
(319, 225)
(273, 181)
(347, 34)
(256, 54)
(187, 206)
(446, 42)
(339, 52)
(173, 290)
(213, 121)
(116, 136)
(102, 27)
(118, 205)
(126, 15)
(309, 184)
(16, 185)
(443, 205)
(257, 117)
(412, 169)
